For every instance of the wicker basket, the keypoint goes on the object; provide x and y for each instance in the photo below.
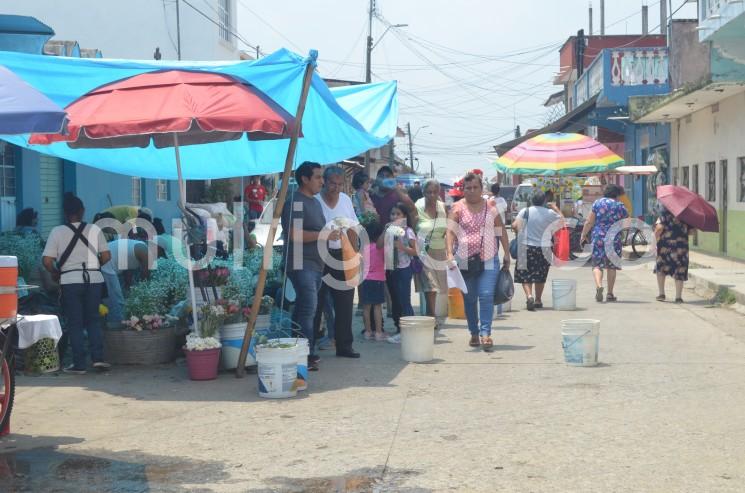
(41, 357)
(148, 347)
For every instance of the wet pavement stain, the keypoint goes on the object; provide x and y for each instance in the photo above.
(360, 481)
(54, 471)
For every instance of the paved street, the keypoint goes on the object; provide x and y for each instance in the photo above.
(663, 412)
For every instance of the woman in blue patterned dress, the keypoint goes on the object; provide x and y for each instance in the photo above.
(606, 212)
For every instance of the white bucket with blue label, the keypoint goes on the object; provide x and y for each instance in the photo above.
(277, 369)
(302, 359)
(580, 340)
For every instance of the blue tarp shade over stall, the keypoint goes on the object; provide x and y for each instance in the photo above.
(337, 124)
(23, 109)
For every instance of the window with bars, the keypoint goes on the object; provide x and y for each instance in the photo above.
(711, 181)
(7, 170)
(694, 178)
(136, 190)
(684, 179)
(224, 15)
(162, 191)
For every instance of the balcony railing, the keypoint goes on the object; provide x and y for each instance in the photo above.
(620, 73)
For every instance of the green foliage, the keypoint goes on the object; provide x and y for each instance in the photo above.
(27, 247)
(220, 191)
(168, 284)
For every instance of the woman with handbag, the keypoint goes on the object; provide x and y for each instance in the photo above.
(431, 231)
(531, 226)
(474, 244)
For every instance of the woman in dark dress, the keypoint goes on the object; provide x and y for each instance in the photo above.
(672, 253)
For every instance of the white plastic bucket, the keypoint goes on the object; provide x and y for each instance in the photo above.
(231, 337)
(441, 305)
(417, 339)
(580, 340)
(564, 294)
(277, 371)
(302, 359)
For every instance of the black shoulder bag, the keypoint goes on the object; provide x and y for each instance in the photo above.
(514, 244)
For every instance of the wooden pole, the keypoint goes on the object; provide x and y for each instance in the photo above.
(240, 371)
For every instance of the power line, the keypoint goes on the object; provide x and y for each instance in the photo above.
(219, 25)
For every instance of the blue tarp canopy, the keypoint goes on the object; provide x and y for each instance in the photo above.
(338, 123)
(24, 109)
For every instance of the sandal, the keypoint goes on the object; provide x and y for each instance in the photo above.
(660, 297)
(368, 335)
(678, 300)
(486, 343)
(530, 304)
(474, 341)
(611, 298)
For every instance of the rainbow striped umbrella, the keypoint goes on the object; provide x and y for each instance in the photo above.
(558, 154)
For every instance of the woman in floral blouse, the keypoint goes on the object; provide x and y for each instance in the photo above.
(606, 212)
(672, 253)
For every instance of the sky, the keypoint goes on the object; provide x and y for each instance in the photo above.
(468, 70)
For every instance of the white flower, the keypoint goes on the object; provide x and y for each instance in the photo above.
(342, 222)
(396, 231)
(196, 343)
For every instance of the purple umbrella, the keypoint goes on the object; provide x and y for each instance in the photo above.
(25, 110)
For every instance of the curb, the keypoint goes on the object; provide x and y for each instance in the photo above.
(715, 292)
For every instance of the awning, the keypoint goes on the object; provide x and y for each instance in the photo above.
(680, 103)
(339, 123)
(636, 170)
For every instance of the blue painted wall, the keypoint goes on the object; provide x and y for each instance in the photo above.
(640, 140)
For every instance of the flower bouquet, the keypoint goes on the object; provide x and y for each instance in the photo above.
(341, 223)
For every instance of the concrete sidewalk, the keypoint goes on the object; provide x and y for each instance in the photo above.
(719, 279)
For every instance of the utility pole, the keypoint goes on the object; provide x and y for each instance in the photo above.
(411, 146)
(645, 20)
(431, 169)
(590, 19)
(602, 17)
(258, 52)
(663, 17)
(178, 30)
(368, 68)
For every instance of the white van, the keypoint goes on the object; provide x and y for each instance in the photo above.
(521, 199)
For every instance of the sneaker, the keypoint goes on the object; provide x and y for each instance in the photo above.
(101, 365)
(395, 339)
(74, 371)
(381, 336)
(368, 336)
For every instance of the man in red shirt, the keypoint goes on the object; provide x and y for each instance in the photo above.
(255, 194)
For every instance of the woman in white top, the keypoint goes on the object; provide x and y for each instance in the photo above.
(74, 254)
(534, 233)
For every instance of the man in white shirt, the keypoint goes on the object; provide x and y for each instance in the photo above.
(336, 204)
(74, 253)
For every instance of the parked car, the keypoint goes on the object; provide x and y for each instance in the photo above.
(521, 198)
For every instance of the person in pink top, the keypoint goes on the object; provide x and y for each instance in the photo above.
(474, 246)
(372, 290)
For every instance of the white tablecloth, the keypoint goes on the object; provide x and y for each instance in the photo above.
(32, 328)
